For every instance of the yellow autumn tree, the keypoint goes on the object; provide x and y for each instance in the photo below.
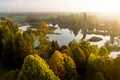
(63, 66)
(35, 68)
(56, 63)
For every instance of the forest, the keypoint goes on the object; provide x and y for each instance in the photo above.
(20, 59)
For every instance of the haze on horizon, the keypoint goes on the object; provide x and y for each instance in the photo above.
(107, 6)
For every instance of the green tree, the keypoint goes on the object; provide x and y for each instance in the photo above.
(92, 57)
(104, 65)
(43, 28)
(65, 49)
(35, 68)
(32, 20)
(108, 46)
(85, 47)
(117, 68)
(94, 49)
(6, 45)
(24, 45)
(73, 44)
(70, 68)
(54, 46)
(98, 76)
(8, 53)
(11, 75)
(44, 43)
(5, 35)
(79, 58)
(91, 66)
(103, 51)
(7, 42)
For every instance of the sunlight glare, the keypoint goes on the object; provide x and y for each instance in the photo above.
(108, 6)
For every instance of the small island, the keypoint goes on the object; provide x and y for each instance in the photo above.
(95, 39)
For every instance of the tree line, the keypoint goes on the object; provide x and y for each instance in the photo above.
(21, 60)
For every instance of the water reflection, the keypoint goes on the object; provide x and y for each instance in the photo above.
(100, 43)
(67, 35)
(114, 54)
(63, 38)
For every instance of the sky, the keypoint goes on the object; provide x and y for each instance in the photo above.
(108, 6)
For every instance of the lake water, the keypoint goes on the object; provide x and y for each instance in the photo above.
(24, 28)
(114, 54)
(67, 35)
